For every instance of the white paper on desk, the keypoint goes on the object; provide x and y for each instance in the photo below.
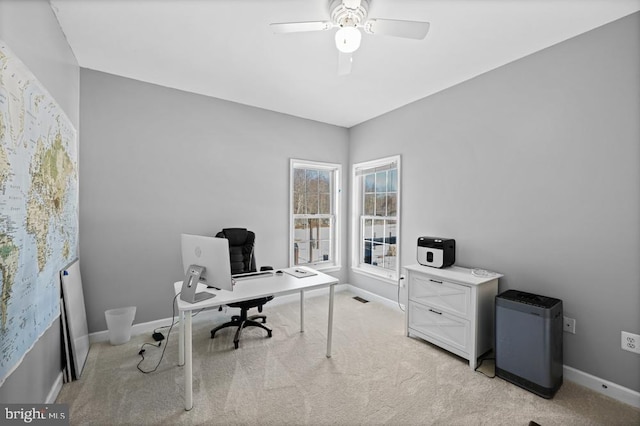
(299, 273)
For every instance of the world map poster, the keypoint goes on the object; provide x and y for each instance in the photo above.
(38, 208)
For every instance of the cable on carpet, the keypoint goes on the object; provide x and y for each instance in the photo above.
(480, 363)
(142, 350)
(400, 279)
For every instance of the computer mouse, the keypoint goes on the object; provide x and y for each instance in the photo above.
(278, 272)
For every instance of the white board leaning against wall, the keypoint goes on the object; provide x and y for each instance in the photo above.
(74, 320)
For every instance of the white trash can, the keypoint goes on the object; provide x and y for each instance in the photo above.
(119, 323)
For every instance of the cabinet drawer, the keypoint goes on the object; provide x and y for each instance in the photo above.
(442, 295)
(447, 328)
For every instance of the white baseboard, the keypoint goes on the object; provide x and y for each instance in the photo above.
(367, 295)
(602, 386)
(212, 315)
(55, 390)
(594, 383)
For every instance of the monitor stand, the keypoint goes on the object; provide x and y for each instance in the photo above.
(190, 285)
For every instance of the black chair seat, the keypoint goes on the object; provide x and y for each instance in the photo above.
(253, 303)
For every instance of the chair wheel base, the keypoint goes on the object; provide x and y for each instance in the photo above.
(243, 323)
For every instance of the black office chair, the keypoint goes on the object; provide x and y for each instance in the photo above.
(241, 243)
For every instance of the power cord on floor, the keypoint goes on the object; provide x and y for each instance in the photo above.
(400, 279)
(142, 350)
(480, 363)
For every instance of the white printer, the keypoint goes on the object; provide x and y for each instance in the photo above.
(436, 252)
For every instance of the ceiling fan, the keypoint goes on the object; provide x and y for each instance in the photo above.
(350, 16)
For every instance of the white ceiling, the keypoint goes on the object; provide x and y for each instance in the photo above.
(225, 49)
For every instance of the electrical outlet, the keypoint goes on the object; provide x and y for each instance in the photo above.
(630, 342)
(569, 325)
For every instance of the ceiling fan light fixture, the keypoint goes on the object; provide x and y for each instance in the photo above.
(348, 39)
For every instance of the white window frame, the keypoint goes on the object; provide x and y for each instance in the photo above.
(334, 263)
(357, 238)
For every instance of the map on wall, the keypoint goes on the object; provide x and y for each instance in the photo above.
(38, 208)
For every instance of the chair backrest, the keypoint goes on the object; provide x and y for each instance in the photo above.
(241, 243)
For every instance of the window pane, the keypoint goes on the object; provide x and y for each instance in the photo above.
(324, 206)
(369, 208)
(298, 180)
(298, 202)
(369, 183)
(367, 245)
(392, 180)
(391, 229)
(312, 203)
(312, 181)
(392, 204)
(314, 253)
(378, 230)
(301, 231)
(325, 229)
(367, 233)
(301, 253)
(368, 229)
(381, 182)
(325, 250)
(314, 227)
(381, 205)
(391, 257)
(377, 255)
(324, 181)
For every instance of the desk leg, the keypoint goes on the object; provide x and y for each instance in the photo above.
(330, 330)
(181, 338)
(301, 311)
(188, 366)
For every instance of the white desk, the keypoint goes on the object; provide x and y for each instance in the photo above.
(276, 285)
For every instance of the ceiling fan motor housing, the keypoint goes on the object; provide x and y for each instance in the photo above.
(348, 13)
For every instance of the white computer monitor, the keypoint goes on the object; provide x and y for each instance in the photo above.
(212, 254)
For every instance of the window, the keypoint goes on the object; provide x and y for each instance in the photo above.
(376, 206)
(314, 214)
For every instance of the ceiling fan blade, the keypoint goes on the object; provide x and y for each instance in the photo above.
(344, 63)
(299, 27)
(406, 29)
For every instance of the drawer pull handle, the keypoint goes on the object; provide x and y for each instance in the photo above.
(435, 312)
(434, 281)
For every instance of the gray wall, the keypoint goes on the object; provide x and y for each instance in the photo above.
(534, 168)
(31, 31)
(157, 162)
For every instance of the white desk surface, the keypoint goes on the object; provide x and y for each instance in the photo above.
(246, 289)
(254, 288)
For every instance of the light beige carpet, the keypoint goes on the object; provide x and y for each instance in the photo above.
(377, 375)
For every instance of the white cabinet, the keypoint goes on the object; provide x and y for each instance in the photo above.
(452, 308)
